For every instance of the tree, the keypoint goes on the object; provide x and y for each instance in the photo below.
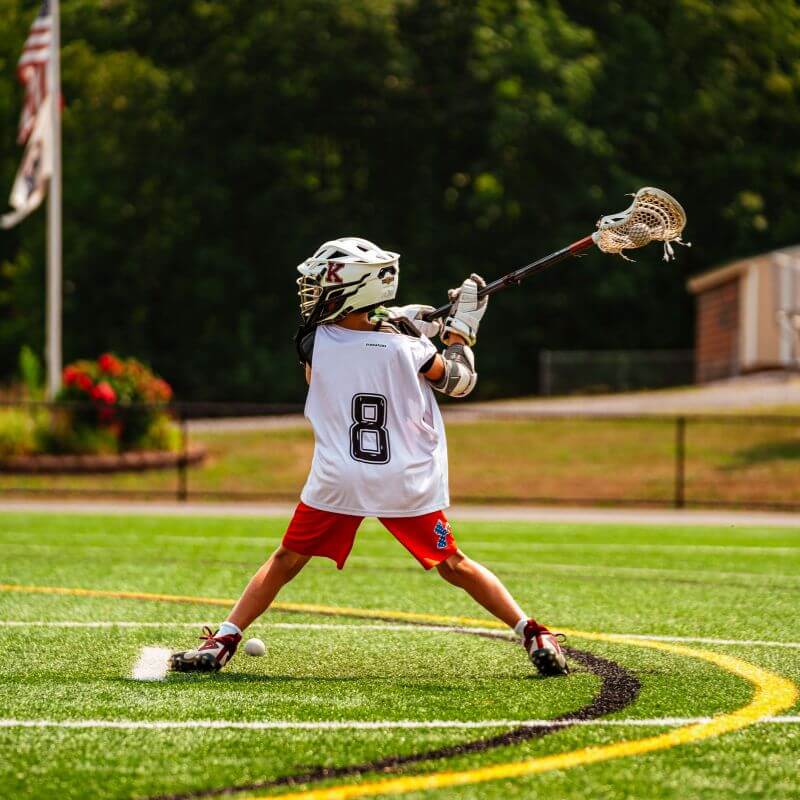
(209, 147)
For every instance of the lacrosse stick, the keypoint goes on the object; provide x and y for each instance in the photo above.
(653, 216)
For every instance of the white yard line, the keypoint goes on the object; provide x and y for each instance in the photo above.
(603, 570)
(714, 549)
(262, 541)
(37, 623)
(258, 725)
(21, 539)
(622, 516)
(288, 625)
(111, 624)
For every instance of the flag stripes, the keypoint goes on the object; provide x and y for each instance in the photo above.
(32, 70)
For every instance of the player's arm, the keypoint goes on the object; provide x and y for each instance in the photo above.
(453, 371)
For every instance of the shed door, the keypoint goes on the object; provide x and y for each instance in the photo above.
(717, 347)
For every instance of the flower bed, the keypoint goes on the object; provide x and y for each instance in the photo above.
(111, 405)
(135, 461)
(111, 414)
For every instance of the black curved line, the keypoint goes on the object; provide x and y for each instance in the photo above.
(620, 687)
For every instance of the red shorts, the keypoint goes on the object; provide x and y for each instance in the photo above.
(323, 533)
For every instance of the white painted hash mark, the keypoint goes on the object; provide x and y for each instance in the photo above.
(216, 724)
(151, 664)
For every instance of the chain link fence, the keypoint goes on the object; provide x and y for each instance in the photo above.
(563, 372)
(243, 452)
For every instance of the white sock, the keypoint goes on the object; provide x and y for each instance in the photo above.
(228, 628)
(519, 628)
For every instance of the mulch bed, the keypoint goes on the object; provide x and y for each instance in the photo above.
(136, 461)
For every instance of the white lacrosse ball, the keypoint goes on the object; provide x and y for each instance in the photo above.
(255, 647)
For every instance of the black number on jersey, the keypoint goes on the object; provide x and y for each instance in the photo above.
(369, 439)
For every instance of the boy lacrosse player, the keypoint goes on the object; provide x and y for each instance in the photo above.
(380, 448)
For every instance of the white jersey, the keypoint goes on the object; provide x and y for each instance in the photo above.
(380, 448)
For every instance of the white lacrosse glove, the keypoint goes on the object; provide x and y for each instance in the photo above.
(467, 310)
(415, 312)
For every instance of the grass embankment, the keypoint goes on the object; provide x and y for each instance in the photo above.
(512, 461)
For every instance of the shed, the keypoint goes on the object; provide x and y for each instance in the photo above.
(748, 316)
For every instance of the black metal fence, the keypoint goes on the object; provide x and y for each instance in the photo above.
(673, 460)
(602, 371)
(250, 452)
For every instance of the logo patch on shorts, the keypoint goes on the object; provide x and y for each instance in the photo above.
(442, 530)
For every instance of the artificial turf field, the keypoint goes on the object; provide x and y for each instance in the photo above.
(67, 659)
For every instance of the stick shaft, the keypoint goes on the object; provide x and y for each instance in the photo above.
(518, 275)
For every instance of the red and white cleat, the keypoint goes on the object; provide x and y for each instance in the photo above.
(544, 650)
(211, 656)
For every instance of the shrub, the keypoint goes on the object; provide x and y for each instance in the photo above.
(163, 434)
(30, 370)
(111, 404)
(58, 434)
(17, 432)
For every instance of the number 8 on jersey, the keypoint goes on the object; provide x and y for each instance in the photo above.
(369, 439)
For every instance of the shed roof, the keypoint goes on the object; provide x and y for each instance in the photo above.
(726, 272)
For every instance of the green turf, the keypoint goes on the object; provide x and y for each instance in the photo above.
(715, 582)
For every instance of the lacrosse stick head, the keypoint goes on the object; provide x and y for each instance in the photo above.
(653, 216)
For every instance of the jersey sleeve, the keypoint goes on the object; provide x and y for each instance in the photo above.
(423, 352)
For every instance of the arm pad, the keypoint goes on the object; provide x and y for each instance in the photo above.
(459, 377)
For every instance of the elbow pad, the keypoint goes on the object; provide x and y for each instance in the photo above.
(459, 377)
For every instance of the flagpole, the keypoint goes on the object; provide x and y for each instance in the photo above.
(54, 357)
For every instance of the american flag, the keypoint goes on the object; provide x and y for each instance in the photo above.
(32, 71)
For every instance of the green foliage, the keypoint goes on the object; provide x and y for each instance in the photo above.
(163, 434)
(62, 433)
(111, 400)
(30, 370)
(17, 435)
(210, 147)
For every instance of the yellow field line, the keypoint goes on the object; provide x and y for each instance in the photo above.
(772, 694)
(76, 592)
(308, 608)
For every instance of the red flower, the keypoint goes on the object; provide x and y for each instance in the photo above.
(78, 378)
(104, 393)
(110, 364)
(163, 389)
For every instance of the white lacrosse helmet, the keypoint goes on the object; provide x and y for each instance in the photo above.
(345, 275)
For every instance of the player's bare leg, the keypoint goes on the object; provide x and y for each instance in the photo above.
(283, 565)
(219, 646)
(487, 589)
(482, 585)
